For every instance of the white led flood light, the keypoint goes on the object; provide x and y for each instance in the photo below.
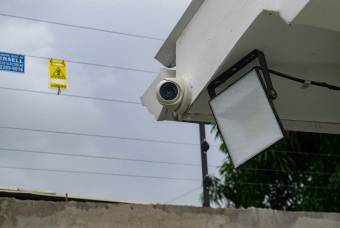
(244, 112)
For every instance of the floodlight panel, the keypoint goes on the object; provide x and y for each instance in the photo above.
(246, 118)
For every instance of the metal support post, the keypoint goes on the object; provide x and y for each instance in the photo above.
(204, 159)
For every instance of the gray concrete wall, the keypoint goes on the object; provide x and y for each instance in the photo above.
(43, 214)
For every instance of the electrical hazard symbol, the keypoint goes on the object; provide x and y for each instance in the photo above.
(58, 74)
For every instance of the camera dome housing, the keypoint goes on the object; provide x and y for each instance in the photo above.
(173, 94)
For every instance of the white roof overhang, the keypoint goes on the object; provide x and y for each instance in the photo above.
(297, 37)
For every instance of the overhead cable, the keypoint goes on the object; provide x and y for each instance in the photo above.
(95, 64)
(70, 95)
(81, 27)
(298, 152)
(307, 153)
(40, 152)
(160, 177)
(283, 185)
(97, 173)
(97, 135)
(98, 157)
(183, 195)
(288, 171)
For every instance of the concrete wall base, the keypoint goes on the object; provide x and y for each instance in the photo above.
(45, 214)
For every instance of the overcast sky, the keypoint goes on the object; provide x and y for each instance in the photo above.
(51, 112)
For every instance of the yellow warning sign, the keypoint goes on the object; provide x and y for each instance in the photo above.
(58, 74)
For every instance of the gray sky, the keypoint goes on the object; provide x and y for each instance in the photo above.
(148, 17)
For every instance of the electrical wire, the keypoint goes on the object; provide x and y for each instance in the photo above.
(98, 157)
(183, 195)
(303, 81)
(98, 173)
(70, 95)
(81, 27)
(98, 136)
(153, 161)
(311, 173)
(245, 183)
(307, 153)
(95, 64)
(155, 177)
(288, 172)
(300, 80)
(299, 153)
(284, 185)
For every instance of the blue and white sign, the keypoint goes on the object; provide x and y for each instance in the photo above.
(12, 62)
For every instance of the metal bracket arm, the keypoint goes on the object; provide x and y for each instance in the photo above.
(263, 66)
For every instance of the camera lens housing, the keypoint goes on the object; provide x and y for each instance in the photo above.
(173, 94)
(169, 91)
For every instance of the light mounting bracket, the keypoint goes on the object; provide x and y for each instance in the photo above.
(263, 67)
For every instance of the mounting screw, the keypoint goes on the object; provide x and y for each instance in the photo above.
(272, 94)
(205, 146)
(207, 181)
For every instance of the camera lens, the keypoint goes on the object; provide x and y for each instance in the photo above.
(168, 91)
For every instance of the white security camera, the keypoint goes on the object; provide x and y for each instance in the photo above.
(174, 94)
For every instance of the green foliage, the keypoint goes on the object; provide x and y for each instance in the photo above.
(301, 172)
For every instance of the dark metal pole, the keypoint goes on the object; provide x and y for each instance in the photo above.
(205, 176)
